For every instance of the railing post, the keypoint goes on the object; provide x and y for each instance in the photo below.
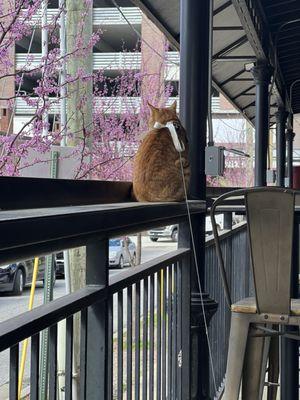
(289, 379)
(290, 139)
(281, 117)
(184, 241)
(97, 322)
(196, 22)
(228, 220)
(262, 74)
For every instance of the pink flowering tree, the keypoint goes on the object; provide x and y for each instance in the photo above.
(109, 143)
(234, 134)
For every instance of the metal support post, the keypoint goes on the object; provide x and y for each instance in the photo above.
(49, 278)
(228, 220)
(289, 376)
(195, 23)
(262, 75)
(290, 140)
(97, 264)
(281, 117)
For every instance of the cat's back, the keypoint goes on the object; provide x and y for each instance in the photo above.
(156, 145)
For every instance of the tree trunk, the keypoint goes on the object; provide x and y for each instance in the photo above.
(139, 249)
(79, 122)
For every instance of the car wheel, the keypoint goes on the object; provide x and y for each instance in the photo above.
(154, 239)
(174, 235)
(19, 283)
(121, 262)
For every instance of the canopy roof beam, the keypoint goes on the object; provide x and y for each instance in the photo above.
(232, 77)
(222, 8)
(231, 47)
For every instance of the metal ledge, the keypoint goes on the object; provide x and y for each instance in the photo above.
(29, 233)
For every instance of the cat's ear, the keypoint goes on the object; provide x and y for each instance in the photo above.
(152, 108)
(174, 106)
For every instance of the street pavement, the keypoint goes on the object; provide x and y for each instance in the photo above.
(11, 306)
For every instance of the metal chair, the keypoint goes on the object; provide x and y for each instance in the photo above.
(270, 220)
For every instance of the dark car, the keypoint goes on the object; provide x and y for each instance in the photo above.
(60, 265)
(14, 277)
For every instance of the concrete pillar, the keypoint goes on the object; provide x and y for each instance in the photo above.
(79, 121)
(152, 64)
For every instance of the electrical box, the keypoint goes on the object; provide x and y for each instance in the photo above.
(214, 160)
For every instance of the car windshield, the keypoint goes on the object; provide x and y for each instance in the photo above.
(115, 242)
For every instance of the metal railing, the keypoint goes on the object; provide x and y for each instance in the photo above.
(237, 260)
(146, 335)
(134, 326)
(101, 16)
(106, 104)
(105, 61)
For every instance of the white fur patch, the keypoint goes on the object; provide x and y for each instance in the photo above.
(177, 144)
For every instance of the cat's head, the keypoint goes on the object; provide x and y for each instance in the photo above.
(162, 115)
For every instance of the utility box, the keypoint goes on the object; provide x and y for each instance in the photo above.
(214, 160)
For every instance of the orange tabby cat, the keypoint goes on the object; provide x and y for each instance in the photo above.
(157, 173)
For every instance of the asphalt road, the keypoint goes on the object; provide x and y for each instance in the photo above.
(11, 306)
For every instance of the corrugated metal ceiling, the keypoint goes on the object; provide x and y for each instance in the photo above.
(283, 21)
(231, 48)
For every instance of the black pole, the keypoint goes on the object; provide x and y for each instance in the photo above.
(262, 74)
(195, 28)
(289, 377)
(228, 220)
(281, 117)
(290, 141)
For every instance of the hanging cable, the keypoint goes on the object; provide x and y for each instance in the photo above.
(198, 276)
(139, 34)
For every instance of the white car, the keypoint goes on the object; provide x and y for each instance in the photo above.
(166, 232)
(171, 231)
(119, 256)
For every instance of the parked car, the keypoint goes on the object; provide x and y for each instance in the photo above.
(171, 231)
(14, 277)
(166, 232)
(60, 265)
(119, 256)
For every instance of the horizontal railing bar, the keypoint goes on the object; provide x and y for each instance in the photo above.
(31, 322)
(50, 230)
(47, 192)
(132, 275)
(210, 241)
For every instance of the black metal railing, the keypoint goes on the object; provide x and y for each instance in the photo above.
(139, 350)
(237, 261)
(133, 326)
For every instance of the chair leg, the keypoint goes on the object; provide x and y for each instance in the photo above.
(273, 367)
(235, 360)
(255, 364)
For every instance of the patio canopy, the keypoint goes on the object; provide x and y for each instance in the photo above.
(244, 32)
